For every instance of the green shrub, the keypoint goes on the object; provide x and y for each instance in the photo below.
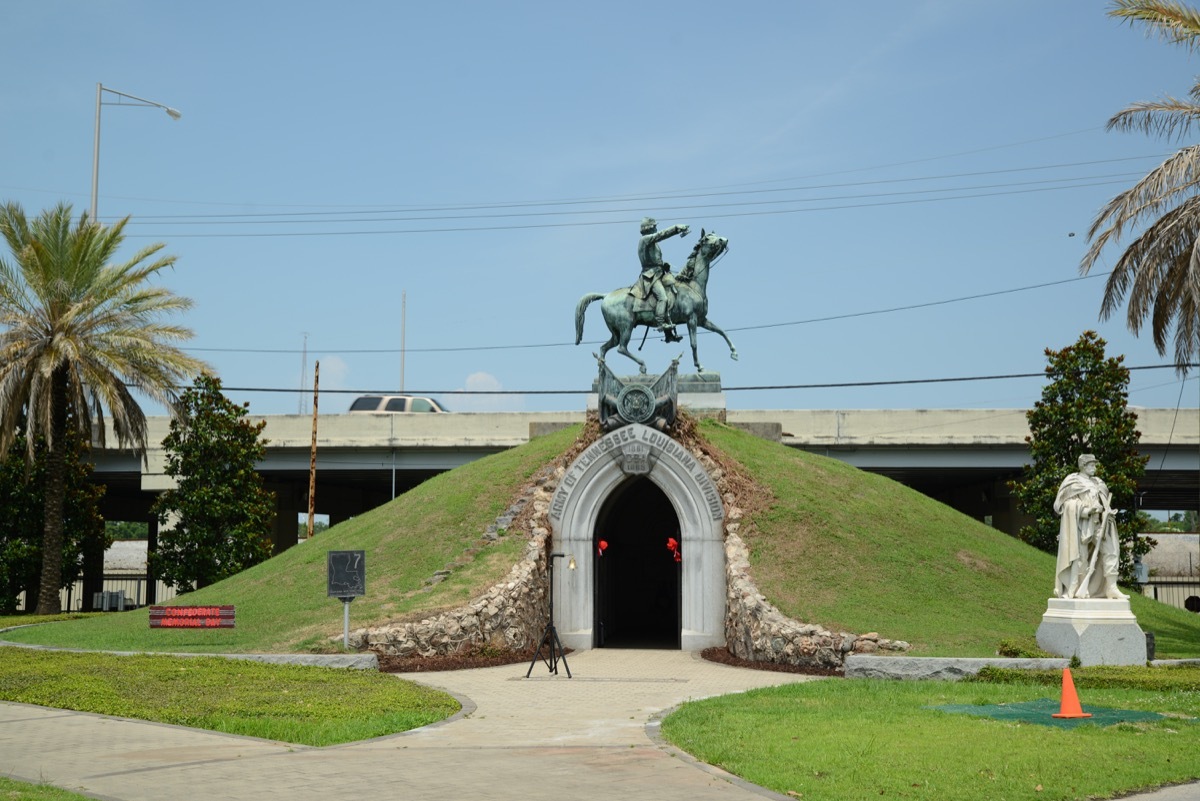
(1159, 678)
(1022, 648)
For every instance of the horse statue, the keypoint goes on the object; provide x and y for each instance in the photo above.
(689, 304)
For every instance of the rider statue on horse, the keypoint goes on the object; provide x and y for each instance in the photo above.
(649, 302)
(655, 278)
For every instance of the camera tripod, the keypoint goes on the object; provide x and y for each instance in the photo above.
(550, 639)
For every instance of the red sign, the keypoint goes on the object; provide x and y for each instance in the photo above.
(191, 617)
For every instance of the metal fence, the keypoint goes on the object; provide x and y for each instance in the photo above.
(133, 587)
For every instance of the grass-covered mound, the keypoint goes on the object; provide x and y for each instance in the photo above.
(282, 604)
(859, 552)
(829, 544)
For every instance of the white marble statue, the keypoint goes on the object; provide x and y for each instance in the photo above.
(1088, 547)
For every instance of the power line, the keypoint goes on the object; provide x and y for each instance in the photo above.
(925, 305)
(251, 218)
(831, 318)
(692, 207)
(588, 223)
(760, 388)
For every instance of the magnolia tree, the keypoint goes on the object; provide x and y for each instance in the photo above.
(22, 505)
(217, 521)
(1082, 410)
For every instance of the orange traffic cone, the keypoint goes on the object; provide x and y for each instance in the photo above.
(1070, 708)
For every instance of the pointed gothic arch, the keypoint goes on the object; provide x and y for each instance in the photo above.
(598, 472)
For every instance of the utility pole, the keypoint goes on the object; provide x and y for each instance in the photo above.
(312, 458)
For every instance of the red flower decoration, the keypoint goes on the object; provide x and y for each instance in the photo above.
(600, 549)
(673, 546)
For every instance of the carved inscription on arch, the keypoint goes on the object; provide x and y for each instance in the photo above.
(652, 447)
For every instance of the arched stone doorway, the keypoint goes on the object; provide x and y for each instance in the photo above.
(610, 484)
(638, 580)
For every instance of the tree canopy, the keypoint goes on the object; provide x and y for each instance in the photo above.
(1082, 410)
(79, 331)
(22, 503)
(217, 521)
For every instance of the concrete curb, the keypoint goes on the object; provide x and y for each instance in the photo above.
(366, 661)
(860, 666)
(865, 666)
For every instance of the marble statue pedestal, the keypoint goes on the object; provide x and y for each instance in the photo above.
(699, 393)
(1100, 631)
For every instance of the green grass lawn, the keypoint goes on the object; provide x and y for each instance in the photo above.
(289, 703)
(857, 739)
(11, 790)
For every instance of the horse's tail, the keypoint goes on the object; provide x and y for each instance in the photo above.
(580, 308)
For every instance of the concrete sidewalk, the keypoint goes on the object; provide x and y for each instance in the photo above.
(547, 737)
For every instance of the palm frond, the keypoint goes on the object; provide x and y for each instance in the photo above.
(1178, 177)
(1158, 275)
(1172, 21)
(1169, 118)
(69, 310)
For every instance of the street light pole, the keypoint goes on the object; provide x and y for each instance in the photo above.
(141, 101)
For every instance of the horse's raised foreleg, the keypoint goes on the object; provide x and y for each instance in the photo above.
(711, 326)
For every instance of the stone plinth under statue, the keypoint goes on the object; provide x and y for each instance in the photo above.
(699, 393)
(1100, 631)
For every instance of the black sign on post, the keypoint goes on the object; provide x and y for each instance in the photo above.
(347, 581)
(347, 574)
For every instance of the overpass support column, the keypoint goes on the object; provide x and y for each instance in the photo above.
(151, 548)
(287, 511)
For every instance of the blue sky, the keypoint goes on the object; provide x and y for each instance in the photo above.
(491, 161)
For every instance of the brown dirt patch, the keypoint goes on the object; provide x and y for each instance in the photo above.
(723, 656)
(464, 661)
(492, 658)
(975, 562)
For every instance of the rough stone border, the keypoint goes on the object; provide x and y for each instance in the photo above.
(860, 666)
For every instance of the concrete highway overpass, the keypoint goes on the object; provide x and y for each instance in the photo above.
(962, 457)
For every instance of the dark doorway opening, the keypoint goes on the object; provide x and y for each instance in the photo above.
(639, 593)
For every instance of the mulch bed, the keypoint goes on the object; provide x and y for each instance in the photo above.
(722, 655)
(418, 664)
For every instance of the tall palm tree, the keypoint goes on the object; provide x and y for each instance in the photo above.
(1159, 270)
(77, 332)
